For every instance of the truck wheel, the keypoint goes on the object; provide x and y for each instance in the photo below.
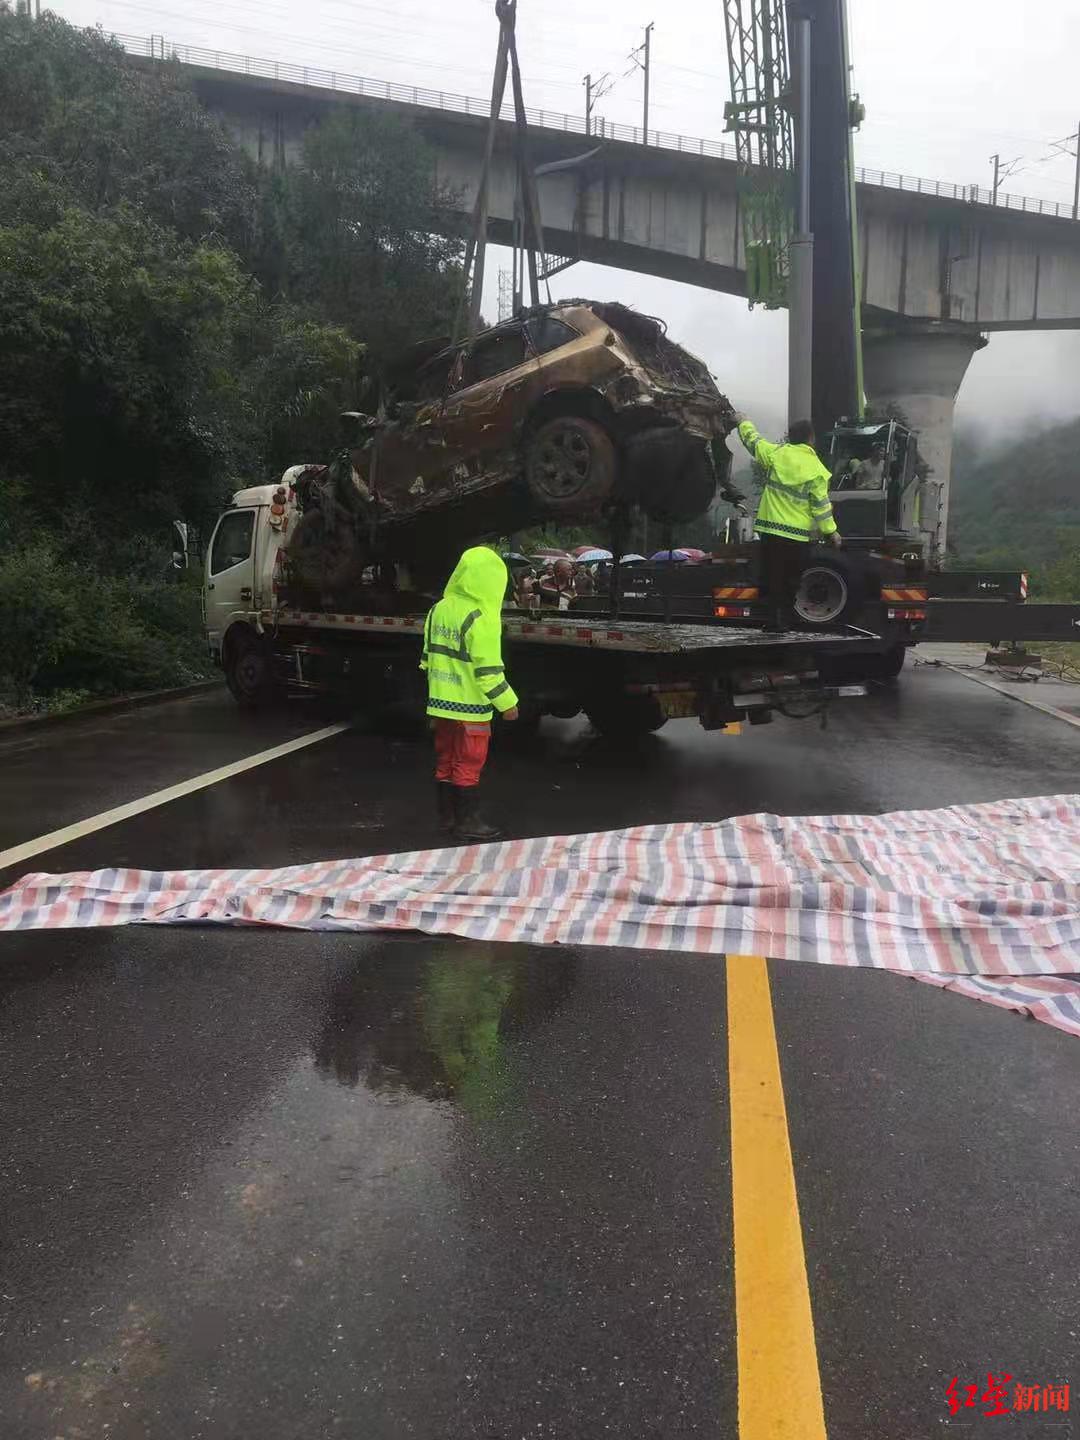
(891, 662)
(570, 465)
(626, 716)
(249, 671)
(831, 592)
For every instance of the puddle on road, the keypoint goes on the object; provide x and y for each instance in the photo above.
(436, 1021)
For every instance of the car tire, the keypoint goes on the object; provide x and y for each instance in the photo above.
(249, 671)
(570, 465)
(670, 474)
(832, 591)
(626, 716)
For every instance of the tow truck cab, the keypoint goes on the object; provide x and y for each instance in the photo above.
(240, 565)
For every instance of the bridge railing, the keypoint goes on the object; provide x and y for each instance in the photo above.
(155, 47)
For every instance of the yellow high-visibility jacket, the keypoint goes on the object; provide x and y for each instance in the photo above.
(795, 500)
(463, 642)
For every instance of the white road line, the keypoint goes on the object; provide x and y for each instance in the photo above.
(18, 853)
(1014, 695)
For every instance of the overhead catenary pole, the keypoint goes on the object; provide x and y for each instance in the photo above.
(645, 66)
(801, 252)
(996, 159)
(1076, 181)
(587, 82)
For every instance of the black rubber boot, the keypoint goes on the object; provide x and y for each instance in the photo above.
(471, 825)
(444, 799)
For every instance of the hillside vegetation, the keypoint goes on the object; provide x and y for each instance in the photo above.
(174, 323)
(1018, 505)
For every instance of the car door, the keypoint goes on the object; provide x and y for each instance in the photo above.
(230, 571)
(482, 412)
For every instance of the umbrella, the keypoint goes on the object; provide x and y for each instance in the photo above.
(513, 558)
(590, 557)
(632, 560)
(582, 550)
(554, 554)
(677, 557)
(696, 556)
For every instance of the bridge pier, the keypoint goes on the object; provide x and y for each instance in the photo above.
(917, 372)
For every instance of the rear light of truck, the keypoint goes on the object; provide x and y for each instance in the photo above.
(732, 612)
(907, 614)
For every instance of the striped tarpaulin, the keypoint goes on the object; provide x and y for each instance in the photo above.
(985, 898)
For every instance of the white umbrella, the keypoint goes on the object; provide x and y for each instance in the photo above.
(633, 560)
(592, 556)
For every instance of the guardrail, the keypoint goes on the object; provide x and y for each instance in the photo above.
(157, 48)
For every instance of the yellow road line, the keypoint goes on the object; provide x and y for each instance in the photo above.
(779, 1383)
(18, 853)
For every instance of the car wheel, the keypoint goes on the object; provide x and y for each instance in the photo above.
(249, 671)
(831, 592)
(670, 474)
(570, 465)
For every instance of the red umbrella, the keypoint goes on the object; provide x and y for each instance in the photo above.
(582, 550)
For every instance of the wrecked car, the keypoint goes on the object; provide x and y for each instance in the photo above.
(576, 405)
(562, 412)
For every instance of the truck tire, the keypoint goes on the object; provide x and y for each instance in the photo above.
(626, 716)
(249, 670)
(832, 591)
(570, 465)
(891, 662)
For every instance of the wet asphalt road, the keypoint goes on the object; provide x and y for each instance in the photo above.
(289, 1186)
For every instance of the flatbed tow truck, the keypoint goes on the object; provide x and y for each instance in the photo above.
(629, 674)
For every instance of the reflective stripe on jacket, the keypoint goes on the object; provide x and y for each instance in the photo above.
(795, 498)
(463, 642)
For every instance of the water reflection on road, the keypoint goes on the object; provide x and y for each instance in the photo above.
(437, 1020)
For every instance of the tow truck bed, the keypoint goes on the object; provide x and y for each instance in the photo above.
(641, 636)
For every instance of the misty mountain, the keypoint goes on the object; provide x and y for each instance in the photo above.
(1010, 503)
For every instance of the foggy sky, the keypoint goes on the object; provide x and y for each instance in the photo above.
(945, 82)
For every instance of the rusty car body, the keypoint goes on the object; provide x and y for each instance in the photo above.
(570, 406)
(565, 411)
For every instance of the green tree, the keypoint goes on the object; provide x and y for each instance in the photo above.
(355, 231)
(104, 130)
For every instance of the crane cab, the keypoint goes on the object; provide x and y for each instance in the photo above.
(876, 483)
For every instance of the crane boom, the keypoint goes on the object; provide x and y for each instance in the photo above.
(767, 142)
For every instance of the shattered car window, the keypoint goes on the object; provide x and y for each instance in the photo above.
(494, 354)
(433, 380)
(546, 333)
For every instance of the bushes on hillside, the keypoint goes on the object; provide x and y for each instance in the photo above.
(72, 631)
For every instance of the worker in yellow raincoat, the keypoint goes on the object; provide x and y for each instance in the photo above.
(794, 507)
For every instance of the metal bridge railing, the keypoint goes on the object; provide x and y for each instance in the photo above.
(157, 48)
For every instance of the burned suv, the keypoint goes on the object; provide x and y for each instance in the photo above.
(570, 406)
(561, 412)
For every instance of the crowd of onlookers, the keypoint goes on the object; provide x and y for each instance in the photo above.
(549, 580)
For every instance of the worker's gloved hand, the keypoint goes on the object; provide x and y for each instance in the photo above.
(739, 417)
(511, 714)
(835, 540)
